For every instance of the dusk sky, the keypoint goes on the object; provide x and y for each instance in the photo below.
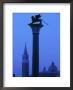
(49, 40)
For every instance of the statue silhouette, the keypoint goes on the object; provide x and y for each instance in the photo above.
(36, 18)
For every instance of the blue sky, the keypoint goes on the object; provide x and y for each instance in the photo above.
(49, 40)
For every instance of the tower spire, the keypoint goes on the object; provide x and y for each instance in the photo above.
(25, 50)
(25, 54)
(25, 63)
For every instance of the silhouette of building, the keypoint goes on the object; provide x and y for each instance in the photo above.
(43, 73)
(35, 25)
(52, 67)
(53, 71)
(25, 63)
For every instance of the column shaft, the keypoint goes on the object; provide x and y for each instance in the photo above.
(35, 62)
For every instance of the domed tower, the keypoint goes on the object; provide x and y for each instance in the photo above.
(53, 71)
(52, 67)
(25, 63)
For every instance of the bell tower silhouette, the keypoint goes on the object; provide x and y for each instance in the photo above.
(25, 63)
(36, 25)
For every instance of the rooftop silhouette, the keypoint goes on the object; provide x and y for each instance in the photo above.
(51, 72)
